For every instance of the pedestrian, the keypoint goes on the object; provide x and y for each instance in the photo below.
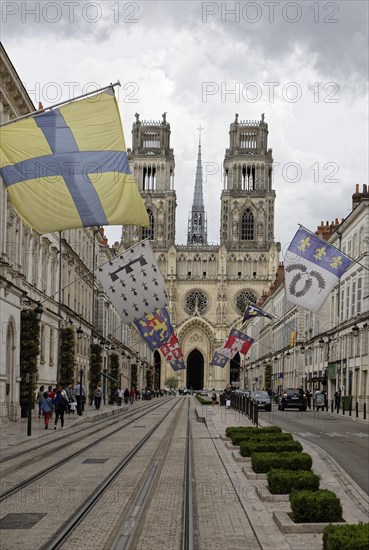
(46, 408)
(80, 393)
(126, 395)
(308, 398)
(61, 405)
(213, 397)
(228, 395)
(97, 397)
(337, 400)
(40, 395)
(120, 395)
(132, 395)
(52, 393)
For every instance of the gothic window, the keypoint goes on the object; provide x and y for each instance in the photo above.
(196, 300)
(247, 226)
(148, 232)
(243, 299)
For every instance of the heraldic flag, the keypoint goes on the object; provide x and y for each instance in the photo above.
(237, 342)
(173, 353)
(155, 328)
(219, 360)
(312, 269)
(68, 167)
(255, 311)
(133, 282)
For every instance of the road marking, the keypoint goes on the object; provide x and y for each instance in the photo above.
(308, 434)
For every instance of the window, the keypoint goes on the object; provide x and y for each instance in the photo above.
(353, 298)
(148, 232)
(247, 226)
(359, 294)
(243, 300)
(196, 300)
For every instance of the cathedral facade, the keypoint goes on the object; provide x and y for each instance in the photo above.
(209, 285)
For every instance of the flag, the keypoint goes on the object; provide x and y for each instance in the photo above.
(171, 350)
(178, 364)
(292, 339)
(312, 269)
(68, 167)
(219, 360)
(155, 328)
(255, 311)
(133, 282)
(237, 342)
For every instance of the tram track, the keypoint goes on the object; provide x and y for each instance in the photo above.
(45, 471)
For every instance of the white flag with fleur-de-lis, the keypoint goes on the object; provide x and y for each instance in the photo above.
(312, 268)
(133, 282)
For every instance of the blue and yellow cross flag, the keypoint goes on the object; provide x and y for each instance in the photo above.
(155, 328)
(68, 167)
(312, 269)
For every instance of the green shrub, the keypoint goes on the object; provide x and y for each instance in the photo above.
(315, 506)
(203, 401)
(264, 462)
(249, 447)
(252, 429)
(281, 482)
(266, 436)
(346, 537)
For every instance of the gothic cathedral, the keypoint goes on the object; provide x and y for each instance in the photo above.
(209, 285)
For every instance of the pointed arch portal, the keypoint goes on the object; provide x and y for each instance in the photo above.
(195, 370)
(234, 371)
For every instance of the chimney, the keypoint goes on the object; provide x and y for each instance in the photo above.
(357, 197)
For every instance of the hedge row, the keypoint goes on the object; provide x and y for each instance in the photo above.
(281, 482)
(266, 436)
(249, 447)
(264, 462)
(346, 537)
(315, 506)
(252, 429)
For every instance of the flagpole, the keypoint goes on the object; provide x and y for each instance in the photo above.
(110, 86)
(335, 247)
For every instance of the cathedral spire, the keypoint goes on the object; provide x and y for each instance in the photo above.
(197, 223)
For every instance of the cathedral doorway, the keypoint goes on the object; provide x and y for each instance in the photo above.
(195, 370)
(234, 371)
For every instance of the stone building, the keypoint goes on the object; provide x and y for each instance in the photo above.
(209, 285)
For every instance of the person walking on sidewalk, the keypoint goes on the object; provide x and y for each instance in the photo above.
(97, 397)
(46, 408)
(213, 397)
(61, 405)
(40, 396)
(120, 395)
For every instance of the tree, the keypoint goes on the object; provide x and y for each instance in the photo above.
(29, 351)
(268, 376)
(67, 357)
(114, 372)
(171, 382)
(95, 368)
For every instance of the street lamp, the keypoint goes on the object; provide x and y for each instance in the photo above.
(302, 349)
(38, 312)
(321, 343)
(355, 330)
(79, 332)
(80, 396)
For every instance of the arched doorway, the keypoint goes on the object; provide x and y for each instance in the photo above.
(234, 371)
(158, 383)
(195, 370)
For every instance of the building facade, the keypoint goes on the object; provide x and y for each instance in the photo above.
(209, 285)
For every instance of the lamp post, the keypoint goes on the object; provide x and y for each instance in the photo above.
(30, 377)
(80, 396)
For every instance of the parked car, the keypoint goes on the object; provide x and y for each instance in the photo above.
(293, 398)
(263, 399)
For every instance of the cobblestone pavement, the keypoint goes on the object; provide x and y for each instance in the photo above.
(229, 514)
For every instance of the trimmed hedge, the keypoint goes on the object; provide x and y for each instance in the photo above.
(203, 401)
(282, 482)
(252, 429)
(315, 506)
(249, 447)
(346, 537)
(264, 462)
(266, 436)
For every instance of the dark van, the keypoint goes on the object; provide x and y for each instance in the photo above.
(292, 398)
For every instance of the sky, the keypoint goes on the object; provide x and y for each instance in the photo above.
(304, 64)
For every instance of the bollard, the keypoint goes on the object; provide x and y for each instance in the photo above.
(357, 409)
(364, 411)
(343, 407)
(350, 407)
(332, 404)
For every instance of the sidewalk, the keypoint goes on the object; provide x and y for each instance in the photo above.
(15, 433)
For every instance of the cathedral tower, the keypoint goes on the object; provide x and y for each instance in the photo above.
(197, 222)
(152, 162)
